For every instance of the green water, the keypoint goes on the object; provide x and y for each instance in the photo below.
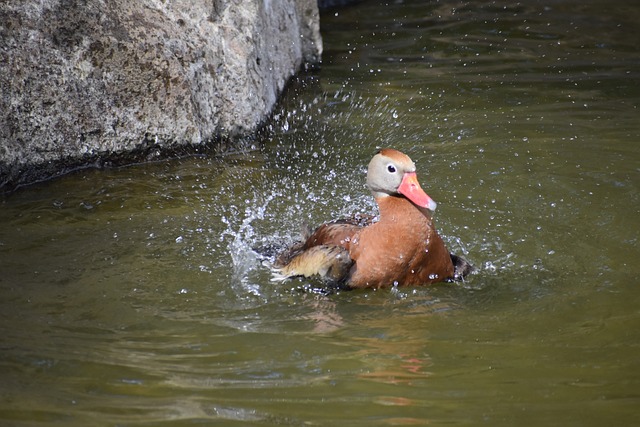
(134, 296)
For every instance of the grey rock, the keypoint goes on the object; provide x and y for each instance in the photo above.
(93, 81)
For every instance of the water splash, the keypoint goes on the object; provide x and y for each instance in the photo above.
(243, 239)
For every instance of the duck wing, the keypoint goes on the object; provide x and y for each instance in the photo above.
(323, 251)
(327, 261)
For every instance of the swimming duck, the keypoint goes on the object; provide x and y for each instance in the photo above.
(400, 248)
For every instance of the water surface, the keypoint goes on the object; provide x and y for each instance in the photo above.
(134, 296)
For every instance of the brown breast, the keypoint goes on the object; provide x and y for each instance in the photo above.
(402, 248)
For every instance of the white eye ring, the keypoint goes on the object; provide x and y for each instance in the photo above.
(391, 168)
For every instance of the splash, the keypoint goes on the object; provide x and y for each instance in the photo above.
(243, 240)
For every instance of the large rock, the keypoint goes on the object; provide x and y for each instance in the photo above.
(86, 81)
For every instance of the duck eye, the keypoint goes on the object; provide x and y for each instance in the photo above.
(391, 169)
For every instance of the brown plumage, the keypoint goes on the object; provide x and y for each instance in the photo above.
(401, 248)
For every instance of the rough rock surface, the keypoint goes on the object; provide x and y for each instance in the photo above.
(90, 81)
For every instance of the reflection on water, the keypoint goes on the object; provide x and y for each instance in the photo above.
(135, 296)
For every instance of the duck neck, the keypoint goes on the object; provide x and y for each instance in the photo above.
(399, 210)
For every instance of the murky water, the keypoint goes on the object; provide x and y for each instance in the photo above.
(134, 296)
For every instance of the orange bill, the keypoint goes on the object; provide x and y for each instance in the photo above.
(410, 188)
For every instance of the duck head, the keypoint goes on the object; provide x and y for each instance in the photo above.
(393, 173)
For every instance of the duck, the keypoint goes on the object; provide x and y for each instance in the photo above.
(398, 247)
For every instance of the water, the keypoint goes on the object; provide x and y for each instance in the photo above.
(134, 296)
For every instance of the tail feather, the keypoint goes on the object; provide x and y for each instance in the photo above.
(461, 267)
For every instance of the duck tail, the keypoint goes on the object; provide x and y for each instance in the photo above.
(461, 267)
